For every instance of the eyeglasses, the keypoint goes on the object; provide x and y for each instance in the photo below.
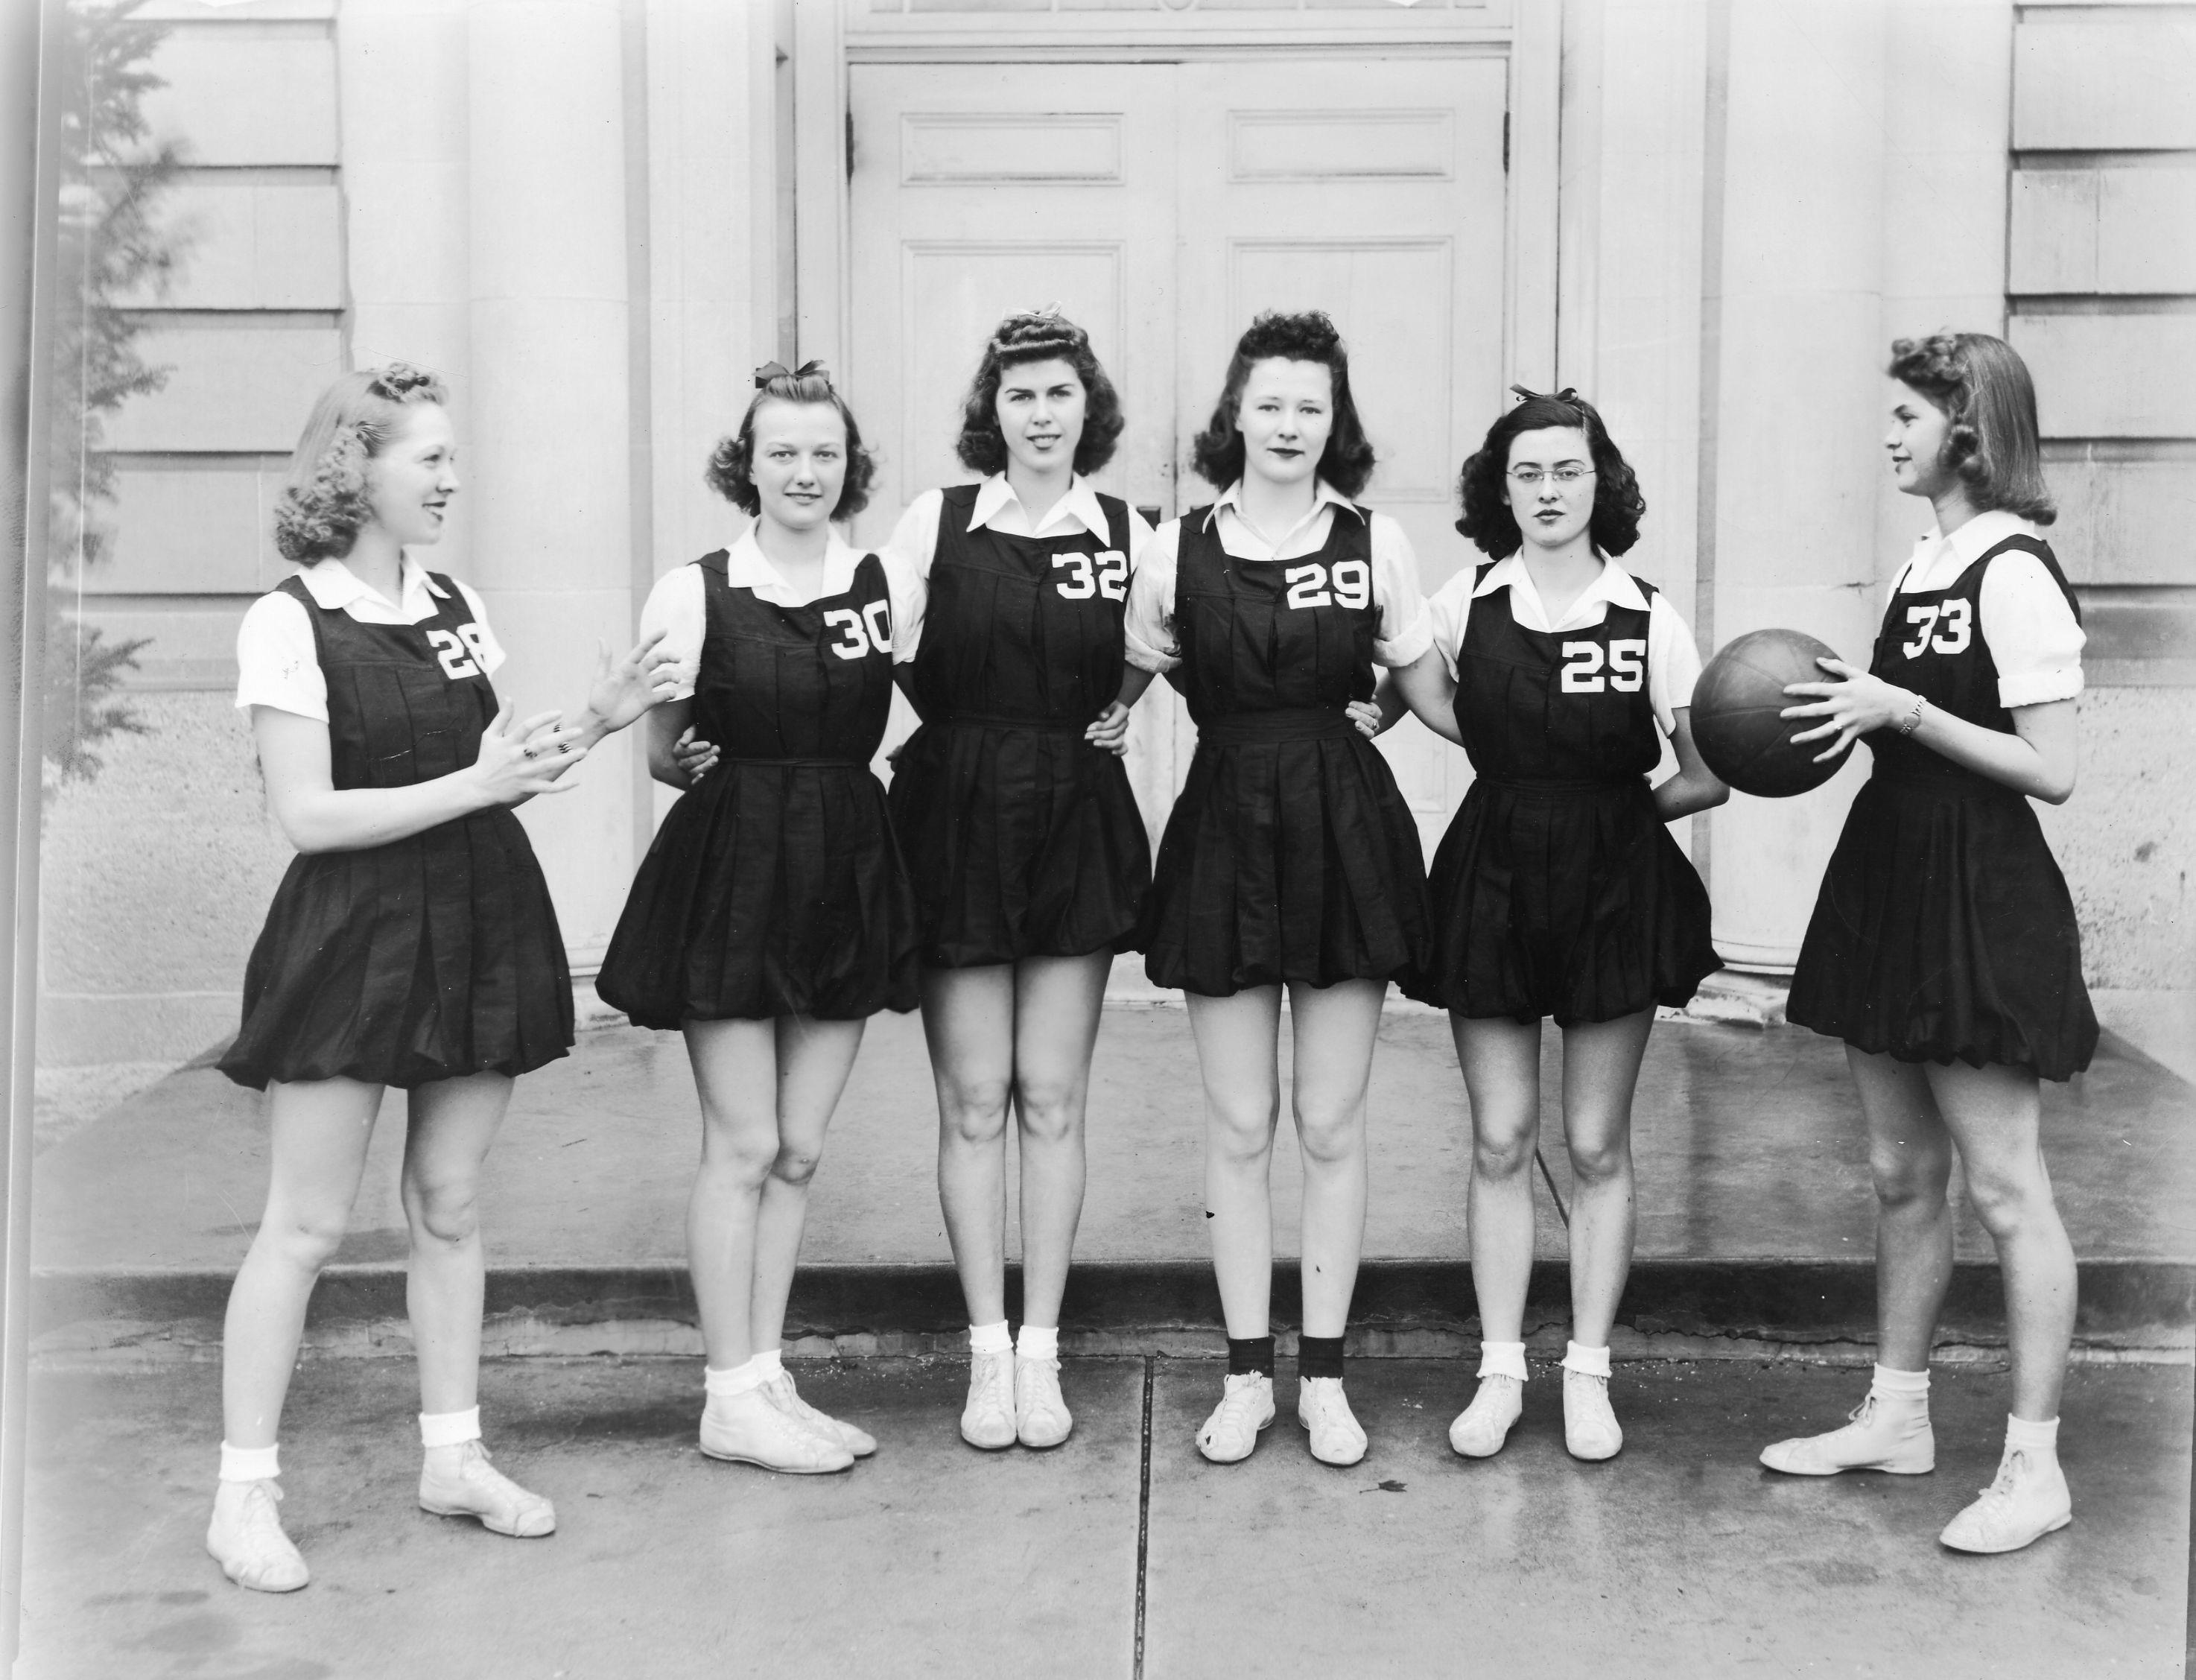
(1565, 476)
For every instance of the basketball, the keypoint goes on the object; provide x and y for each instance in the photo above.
(1735, 715)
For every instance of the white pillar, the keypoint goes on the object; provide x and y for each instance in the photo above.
(550, 466)
(1799, 411)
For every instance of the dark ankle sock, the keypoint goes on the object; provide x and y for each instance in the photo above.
(1319, 1356)
(1250, 1353)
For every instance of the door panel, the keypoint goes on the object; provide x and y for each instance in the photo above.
(1163, 205)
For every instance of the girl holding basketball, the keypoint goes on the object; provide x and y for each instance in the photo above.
(1944, 949)
(1290, 859)
(1021, 832)
(411, 941)
(1557, 891)
(772, 916)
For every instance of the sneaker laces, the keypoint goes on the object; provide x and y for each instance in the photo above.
(2009, 1469)
(1239, 1405)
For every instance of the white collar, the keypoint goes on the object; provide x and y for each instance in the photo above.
(334, 586)
(1616, 586)
(747, 567)
(1324, 495)
(1977, 536)
(995, 494)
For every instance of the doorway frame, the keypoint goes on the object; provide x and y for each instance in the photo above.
(1528, 34)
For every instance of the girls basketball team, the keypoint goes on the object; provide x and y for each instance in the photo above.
(787, 897)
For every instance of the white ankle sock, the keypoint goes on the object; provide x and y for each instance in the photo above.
(1038, 1342)
(1906, 1385)
(2040, 1442)
(771, 1362)
(1585, 1361)
(989, 1338)
(449, 1428)
(249, 1463)
(1502, 1358)
(739, 1380)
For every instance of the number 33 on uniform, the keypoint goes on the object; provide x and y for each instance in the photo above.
(1105, 574)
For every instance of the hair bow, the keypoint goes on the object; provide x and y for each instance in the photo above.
(399, 379)
(778, 370)
(1566, 395)
(1043, 312)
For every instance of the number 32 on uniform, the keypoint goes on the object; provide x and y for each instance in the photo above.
(1582, 662)
(1105, 574)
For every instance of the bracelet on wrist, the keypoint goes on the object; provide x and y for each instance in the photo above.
(1913, 718)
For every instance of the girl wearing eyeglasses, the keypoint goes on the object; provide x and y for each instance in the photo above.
(772, 916)
(1022, 833)
(1557, 891)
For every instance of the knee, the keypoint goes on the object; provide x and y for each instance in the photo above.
(306, 1239)
(974, 1111)
(1329, 1139)
(742, 1159)
(794, 1166)
(1049, 1109)
(446, 1210)
(1501, 1154)
(1602, 1161)
(1909, 1177)
(2008, 1202)
(1240, 1134)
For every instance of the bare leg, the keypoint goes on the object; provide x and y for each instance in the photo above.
(1238, 1038)
(736, 1073)
(1501, 1063)
(1910, 1154)
(319, 1131)
(1057, 1002)
(968, 1022)
(452, 1124)
(813, 1060)
(1993, 1115)
(1336, 1027)
(1601, 1068)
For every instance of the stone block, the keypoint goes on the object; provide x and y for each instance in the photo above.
(258, 239)
(2119, 82)
(236, 385)
(237, 94)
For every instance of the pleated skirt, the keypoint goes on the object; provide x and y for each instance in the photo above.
(428, 959)
(1944, 931)
(771, 890)
(1287, 860)
(1022, 842)
(1574, 904)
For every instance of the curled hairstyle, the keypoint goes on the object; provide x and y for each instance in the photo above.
(1217, 453)
(322, 507)
(1482, 486)
(1037, 335)
(730, 469)
(1983, 386)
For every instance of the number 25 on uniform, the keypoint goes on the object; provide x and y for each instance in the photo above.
(1582, 663)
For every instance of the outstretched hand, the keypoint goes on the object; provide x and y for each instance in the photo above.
(1856, 704)
(620, 693)
(519, 759)
(1109, 731)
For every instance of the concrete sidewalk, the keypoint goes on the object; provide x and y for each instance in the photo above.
(1121, 1554)
(1754, 1212)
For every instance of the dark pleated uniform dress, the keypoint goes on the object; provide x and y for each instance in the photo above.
(431, 957)
(1289, 855)
(1024, 840)
(1944, 929)
(1557, 891)
(774, 887)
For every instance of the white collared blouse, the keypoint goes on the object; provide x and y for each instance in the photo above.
(677, 605)
(1406, 632)
(1673, 663)
(278, 663)
(2033, 636)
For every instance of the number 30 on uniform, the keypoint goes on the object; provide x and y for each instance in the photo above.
(860, 632)
(1582, 663)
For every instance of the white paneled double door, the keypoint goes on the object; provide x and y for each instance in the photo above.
(1163, 205)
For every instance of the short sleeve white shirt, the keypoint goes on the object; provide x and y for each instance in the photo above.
(1673, 662)
(2031, 632)
(1405, 631)
(678, 606)
(278, 663)
(915, 538)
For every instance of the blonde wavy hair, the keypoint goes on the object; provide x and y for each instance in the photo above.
(323, 505)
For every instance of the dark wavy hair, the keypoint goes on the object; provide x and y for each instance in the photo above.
(729, 470)
(1217, 452)
(1039, 335)
(1483, 490)
(321, 510)
(1983, 386)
